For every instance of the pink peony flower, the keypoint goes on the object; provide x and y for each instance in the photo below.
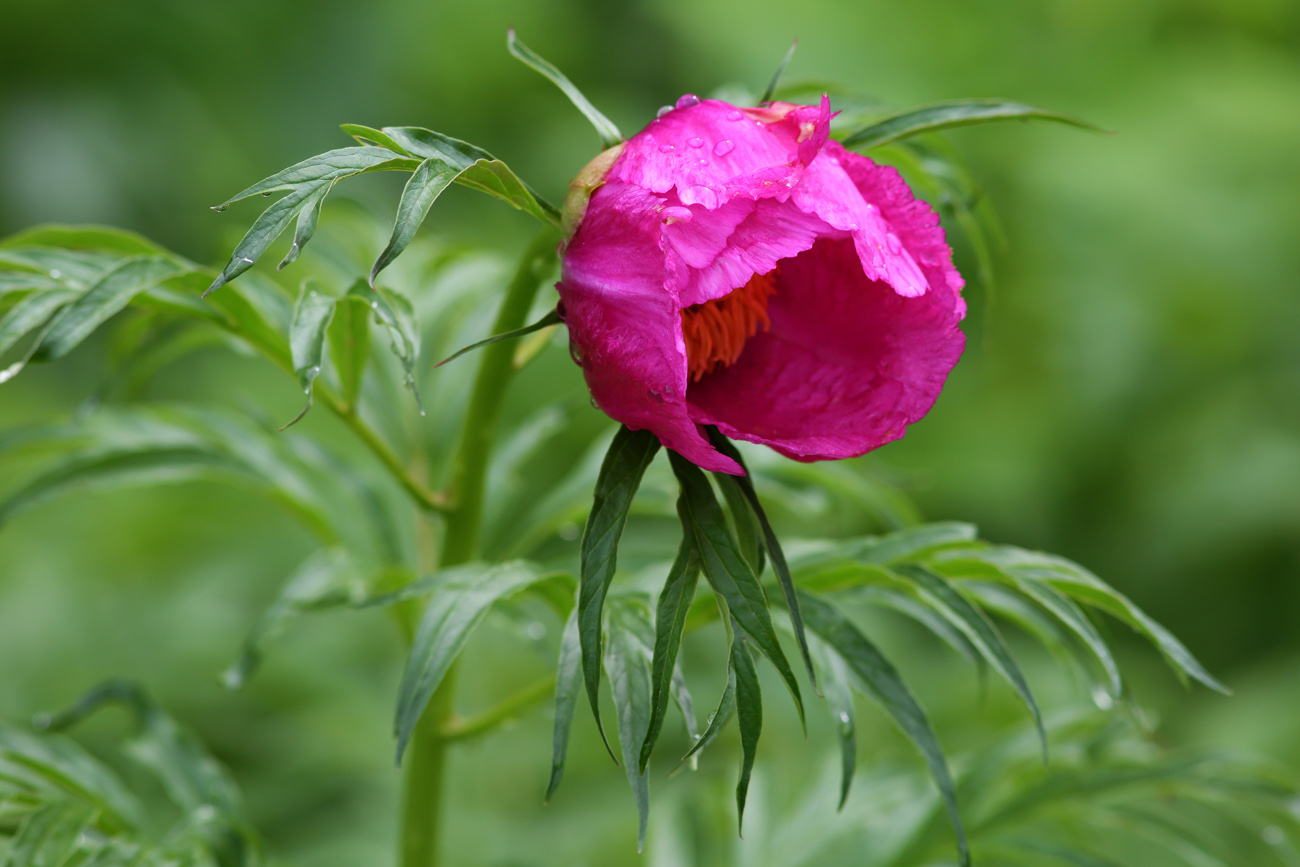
(734, 267)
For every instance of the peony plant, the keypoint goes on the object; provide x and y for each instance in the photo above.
(759, 270)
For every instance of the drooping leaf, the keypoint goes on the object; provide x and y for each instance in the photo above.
(726, 569)
(776, 76)
(609, 134)
(749, 713)
(886, 686)
(321, 581)
(311, 317)
(394, 312)
(59, 768)
(720, 717)
(963, 614)
(425, 185)
(349, 343)
(839, 697)
(670, 619)
(566, 698)
(458, 604)
(29, 314)
(961, 112)
(770, 542)
(904, 600)
(620, 475)
(308, 220)
(366, 135)
(627, 661)
(552, 318)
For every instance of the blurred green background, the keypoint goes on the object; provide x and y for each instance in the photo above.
(1130, 397)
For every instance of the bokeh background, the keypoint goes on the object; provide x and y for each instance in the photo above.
(1130, 398)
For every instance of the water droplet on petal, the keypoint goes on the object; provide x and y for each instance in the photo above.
(666, 148)
(699, 195)
(695, 142)
(686, 100)
(735, 115)
(722, 148)
(663, 110)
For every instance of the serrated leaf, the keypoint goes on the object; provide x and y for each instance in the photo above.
(749, 714)
(627, 661)
(567, 670)
(886, 686)
(670, 620)
(319, 582)
(552, 318)
(944, 115)
(609, 134)
(394, 312)
(620, 475)
(455, 609)
(770, 542)
(311, 317)
(962, 613)
(349, 343)
(727, 571)
(425, 185)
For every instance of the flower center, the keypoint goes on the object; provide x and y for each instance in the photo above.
(716, 330)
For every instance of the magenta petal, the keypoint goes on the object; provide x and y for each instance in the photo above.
(847, 364)
(625, 329)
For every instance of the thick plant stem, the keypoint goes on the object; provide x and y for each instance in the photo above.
(421, 838)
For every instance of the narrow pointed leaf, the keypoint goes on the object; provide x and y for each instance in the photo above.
(886, 686)
(670, 619)
(727, 571)
(720, 717)
(627, 659)
(749, 713)
(839, 696)
(455, 609)
(776, 76)
(963, 614)
(394, 312)
(620, 476)
(748, 534)
(552, 318)
(609, 134)
(325, 167)
(944, 115)
(49, 835)
(58, 765)
(31, 313)
(369, 136)
(1073, 618)
(904, 601)
(311, 317)
(349, 343)
(425, 185)
(566, 699)
(770, 542)
(308, 220)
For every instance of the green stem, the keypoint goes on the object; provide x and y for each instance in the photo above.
(426, 762)
(458, 729)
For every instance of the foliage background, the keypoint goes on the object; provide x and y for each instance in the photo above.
(1130, 398)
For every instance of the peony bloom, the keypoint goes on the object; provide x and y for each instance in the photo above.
(733, 267)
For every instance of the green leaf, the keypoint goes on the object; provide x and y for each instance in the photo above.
(311, 317)
(320, 582)
(720, 717)
(49, 835)
(457, 605)
(307, 183)
(904, 601)
(776, 76)
(308, 220)
(961, 112)
(552, 318)
(670, 620)
(59, 767)
(369, 136)
(349, 342)
(727, 571)
(839, 697)
(620, 475)
(609, 134)
(627, 660)
(885, 686)
(479, 169)
(28, 314)
(770, 543)
(425, 185)
(394, 312)
(962, 613)
(748, 534)
(103, 239)
(566, 699)
(749, 713)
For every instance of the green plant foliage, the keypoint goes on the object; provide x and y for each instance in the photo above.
(609, 134)
(59, 805)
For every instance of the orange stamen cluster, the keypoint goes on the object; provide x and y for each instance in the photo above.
(716, 330)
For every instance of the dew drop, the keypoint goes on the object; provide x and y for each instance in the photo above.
(663, 110)
(845, 718)
(695, 142)
(686, 100)
(535, 630)
(735, 115)
(722, 148)
(699, 195)
(56, 273)
(666, 148)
